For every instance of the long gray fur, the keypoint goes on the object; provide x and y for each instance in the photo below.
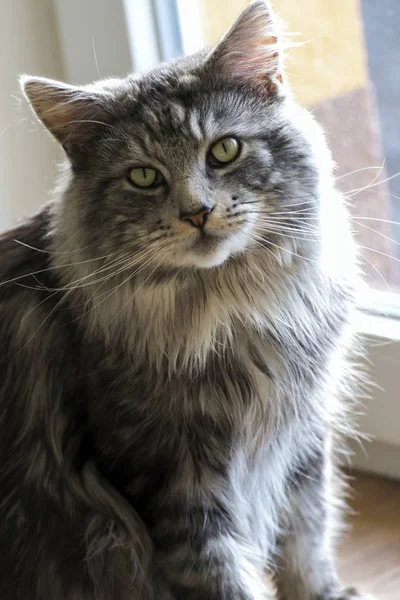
(169, 404)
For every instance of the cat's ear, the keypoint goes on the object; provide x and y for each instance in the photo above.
(72, 114)
(249, 52)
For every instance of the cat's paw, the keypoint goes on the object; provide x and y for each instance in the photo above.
(349, 594)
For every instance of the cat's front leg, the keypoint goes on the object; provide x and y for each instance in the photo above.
(305, 566)
(202, 558)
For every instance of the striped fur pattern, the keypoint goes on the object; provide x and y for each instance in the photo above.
(170, 396)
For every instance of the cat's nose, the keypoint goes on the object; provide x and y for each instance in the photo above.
(197, 219)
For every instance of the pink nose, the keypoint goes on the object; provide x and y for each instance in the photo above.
(196, 219)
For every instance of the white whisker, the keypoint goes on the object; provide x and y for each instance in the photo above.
(139, 288)
(95, 59)
(64, 297)
(357, 171)
(377, 233)
(375, 219)
(267, 241)
(379, 252)
(353, 193)
(377, 270)
(117, 287)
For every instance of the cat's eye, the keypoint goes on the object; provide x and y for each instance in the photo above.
(224, 152)
(145, 177)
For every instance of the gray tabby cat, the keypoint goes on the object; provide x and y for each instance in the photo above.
(175, 328)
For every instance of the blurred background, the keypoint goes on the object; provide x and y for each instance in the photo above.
(346, 70)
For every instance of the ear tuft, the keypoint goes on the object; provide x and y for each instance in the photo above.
(250, 51)
(70, 113)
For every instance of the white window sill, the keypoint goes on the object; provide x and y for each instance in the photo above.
(380, 418)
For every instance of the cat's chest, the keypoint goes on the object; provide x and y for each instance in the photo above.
(237, 397)
(159, 434)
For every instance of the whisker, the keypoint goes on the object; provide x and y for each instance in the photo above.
(278, 213)
(289, 227)
(73, 284)
(95, 58)
(124, 264)
(240, 203)
(117, 262)
(125, 268)
(375, 219)
(378, 233)
(394, 196)
(139, 288)
(379, 252)
(55, 267)
(291, 223)
(359, 190)
(274, 216)
(263, 246)
(43, 322)
(285, 226)
(7, 127)
(31, 287)
(25, 315)
(377, 270)
(286, 250)
(373, 180)
(41, 302)
(117, 288)
(287, 235)
(54, 251)
(40, 283)
(356, 171)
(289, 210)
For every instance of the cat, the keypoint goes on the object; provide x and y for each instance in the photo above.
(176, 336)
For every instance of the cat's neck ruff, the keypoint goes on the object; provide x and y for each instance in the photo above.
(185, 317)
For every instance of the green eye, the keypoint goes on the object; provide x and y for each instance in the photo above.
(224, 151)
(145, 177)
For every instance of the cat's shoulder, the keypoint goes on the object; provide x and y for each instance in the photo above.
(24, 250)
(33, 315)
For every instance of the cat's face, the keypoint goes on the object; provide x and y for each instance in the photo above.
(193, 163)
(191, 175)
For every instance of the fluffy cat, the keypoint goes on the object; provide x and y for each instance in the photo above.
(175, 328)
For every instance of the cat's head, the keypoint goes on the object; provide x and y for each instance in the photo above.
(199, 160)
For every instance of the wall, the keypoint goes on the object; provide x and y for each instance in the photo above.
(28, 44)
